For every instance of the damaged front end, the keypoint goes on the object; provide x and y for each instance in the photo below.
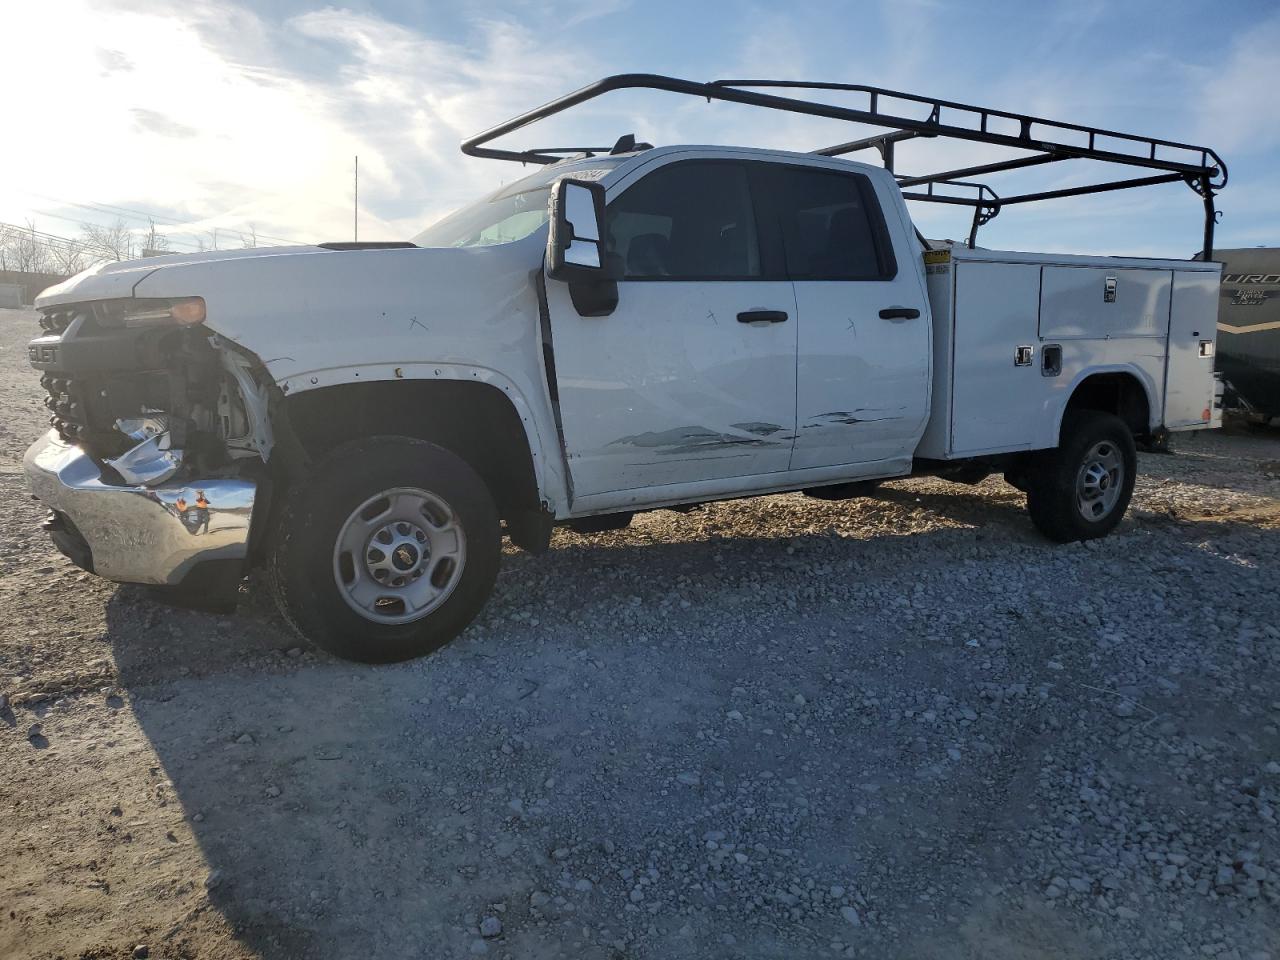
(146, 387)
(159, 442)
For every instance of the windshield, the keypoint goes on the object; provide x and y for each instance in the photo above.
(511, 213)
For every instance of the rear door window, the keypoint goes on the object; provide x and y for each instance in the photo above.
(832, 226)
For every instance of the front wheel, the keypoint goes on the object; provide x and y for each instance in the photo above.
(388, 553)
(1080, 490)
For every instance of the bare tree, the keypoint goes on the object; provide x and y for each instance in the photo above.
(25, 250)
(250, 239)
(68, 257)
(154, 243)
(114, 242)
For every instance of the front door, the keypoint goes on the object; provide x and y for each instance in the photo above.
(693, 376)
(863, 334)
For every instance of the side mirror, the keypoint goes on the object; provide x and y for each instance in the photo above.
(576, 249)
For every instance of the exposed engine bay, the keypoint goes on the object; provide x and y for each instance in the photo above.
(148, 399)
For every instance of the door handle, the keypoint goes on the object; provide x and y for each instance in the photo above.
(762, 316)
(899, 313)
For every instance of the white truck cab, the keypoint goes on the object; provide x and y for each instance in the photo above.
(632, 329)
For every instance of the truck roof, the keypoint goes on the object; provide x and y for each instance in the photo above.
(586, 160)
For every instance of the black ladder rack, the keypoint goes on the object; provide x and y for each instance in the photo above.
(1048, 140)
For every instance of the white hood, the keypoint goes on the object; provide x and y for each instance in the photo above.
(114, 280)
(307, 308)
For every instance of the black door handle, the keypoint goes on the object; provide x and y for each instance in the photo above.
(899, 313)
(762, 316)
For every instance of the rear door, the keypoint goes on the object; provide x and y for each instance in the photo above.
(863, 340)
(693, 377)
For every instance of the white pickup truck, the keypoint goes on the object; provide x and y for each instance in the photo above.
(630, 329)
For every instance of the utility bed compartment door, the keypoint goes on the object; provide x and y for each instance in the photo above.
(1193, 323)
(996, 401)
(1097, 303)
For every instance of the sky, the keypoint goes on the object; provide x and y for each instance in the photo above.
(243, 118)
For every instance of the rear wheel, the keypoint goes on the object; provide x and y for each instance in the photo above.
(1080, 491)
(389, 552)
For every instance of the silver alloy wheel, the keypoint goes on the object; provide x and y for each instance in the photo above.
(399, 555)
(1100, 480)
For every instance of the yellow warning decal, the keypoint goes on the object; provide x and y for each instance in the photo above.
(937, 256)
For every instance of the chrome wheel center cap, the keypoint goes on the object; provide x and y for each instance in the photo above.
(397, 553)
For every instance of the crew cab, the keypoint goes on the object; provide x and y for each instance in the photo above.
(628, 329)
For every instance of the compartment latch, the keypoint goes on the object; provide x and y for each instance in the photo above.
(1051, 360)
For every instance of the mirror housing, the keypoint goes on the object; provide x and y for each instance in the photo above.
(576, 251)
(575, 247)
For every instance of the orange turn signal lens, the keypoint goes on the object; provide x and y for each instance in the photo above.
(153, 312)
(188, 311)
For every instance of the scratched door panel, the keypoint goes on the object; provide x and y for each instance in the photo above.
(863, 380)
(672, 388)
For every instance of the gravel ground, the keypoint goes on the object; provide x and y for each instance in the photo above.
(902, 726)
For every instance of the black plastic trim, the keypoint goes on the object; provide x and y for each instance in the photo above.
(368, 245)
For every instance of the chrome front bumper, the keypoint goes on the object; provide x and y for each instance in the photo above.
(138, 534)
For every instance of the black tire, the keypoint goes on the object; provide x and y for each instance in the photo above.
(304, 568)
(1057, 478)
(1016, 476)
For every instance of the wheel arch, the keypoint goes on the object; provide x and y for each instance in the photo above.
(475, 413)
(1125, 391)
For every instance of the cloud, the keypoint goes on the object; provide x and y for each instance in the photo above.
(219, 112)
(411, 99)
(149, 121)
(1238, 109)
(588, 10)
(184, 116)
(1057, 68)
(113, 61)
